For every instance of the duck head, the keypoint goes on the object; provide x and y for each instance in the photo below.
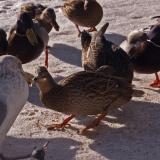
(154, 35)
(43, 79)
(49, 15)
(24, 27)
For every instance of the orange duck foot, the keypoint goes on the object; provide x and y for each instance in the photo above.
(54, 126)
(46, 60)
(61, 125)
(94, 123)
(155, 84)
(92, 29)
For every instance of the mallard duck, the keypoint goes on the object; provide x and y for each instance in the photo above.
(143, 49)
(28, 41)
(82, 93)
(3, 42)
(14, 93)
(45, 16)
(85, 13)
(97, 51)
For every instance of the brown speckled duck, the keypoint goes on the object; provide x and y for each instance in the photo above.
(86, 13)
(144, 51)
(28, 41)
(3, 42)
(97, 51)
(82, 93)
(44, 15)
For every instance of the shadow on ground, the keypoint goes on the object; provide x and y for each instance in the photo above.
(115, 38)
(135, 135)
(67, 54)
(58, 148)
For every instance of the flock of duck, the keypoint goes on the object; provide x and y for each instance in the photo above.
(106, 82)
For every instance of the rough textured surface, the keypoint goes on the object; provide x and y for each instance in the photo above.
(131, 132)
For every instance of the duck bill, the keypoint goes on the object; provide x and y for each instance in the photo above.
(31, 37)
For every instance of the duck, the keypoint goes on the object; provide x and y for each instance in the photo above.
(14, 94)
(28, 41)
(82, 93)
(46, 18)
(97, 51)
(3, 42)
(44, 15)
(85, 13)
(143, 49)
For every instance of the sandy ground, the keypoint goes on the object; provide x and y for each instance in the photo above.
(131, 132)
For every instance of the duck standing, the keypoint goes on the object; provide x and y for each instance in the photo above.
(46, 18)
(85, 13)
(13, 93)
(28, 41)
(97, 51)
(82, 93)
(144, 51)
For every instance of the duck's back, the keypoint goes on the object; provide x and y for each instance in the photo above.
(134, 39)
(74, 11)
(112, 55)
(120, 61)
(34, 10)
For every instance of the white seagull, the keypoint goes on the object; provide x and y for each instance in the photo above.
(14, 92)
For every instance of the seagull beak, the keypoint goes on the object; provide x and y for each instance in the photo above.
(45, 146)
(31, 37)
(27, 78)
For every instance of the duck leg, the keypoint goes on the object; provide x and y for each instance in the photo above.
(156, 83)
(46, 60)
(94, 123)
(61, 125)
(92, 29)
(79, 32)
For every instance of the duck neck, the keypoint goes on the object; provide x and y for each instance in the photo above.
(20, 32)
(46, 85)
(43, 18)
